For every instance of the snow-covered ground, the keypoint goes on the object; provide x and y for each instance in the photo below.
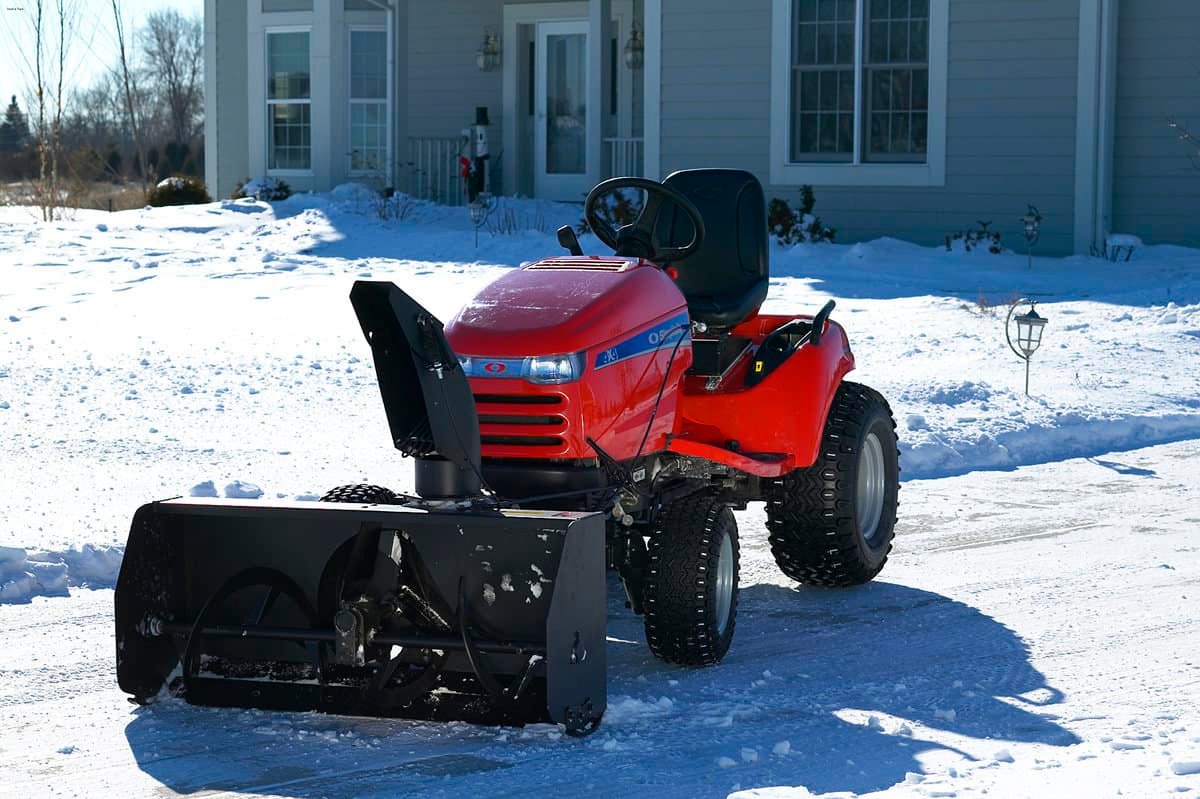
(1033, 635)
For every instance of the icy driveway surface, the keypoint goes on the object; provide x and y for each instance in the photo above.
(1035, 635)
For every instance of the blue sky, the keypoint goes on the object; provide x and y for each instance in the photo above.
(94, 49)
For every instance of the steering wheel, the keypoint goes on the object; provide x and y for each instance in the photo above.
(637, 240)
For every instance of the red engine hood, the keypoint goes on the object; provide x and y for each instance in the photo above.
(563, 305)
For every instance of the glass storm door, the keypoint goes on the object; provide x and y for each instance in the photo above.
(560, 143)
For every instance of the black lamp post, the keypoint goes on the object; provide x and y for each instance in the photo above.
(1029, 334)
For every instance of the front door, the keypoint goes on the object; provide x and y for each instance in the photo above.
(560, 104)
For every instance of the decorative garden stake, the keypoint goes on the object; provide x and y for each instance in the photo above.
(1029, 333)
(1033, 230)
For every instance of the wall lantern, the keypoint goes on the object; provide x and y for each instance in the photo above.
(635, 50)
(1029, 333)
(487, 57)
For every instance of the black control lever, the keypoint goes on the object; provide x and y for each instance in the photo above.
(569, 241)
(818, 323)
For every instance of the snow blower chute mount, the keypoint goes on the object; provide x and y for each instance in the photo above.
(581, 414)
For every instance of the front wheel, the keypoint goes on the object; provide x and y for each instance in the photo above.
(832, 524)
(691, 589)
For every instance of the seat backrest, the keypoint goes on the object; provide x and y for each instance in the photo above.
(733, 262)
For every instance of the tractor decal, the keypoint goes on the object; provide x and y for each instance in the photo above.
(663, 334)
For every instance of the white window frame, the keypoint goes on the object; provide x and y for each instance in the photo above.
(268, 102)
(858, 172)
(387, 170)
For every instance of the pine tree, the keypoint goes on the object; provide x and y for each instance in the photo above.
(14, 130)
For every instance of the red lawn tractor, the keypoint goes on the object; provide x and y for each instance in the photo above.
(582, 413)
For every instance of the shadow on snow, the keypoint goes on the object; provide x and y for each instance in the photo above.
(806, 666)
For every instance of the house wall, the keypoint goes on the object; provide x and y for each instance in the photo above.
(1011, 108)
(225, 134)
(1156, 190)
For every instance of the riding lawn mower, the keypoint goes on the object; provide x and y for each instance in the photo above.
(582, 414)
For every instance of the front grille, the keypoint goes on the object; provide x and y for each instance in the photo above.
(518, 399)
(521, 420)
(522, 441)
(497, 418)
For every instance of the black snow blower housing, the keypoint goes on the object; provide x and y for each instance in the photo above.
(441, 606)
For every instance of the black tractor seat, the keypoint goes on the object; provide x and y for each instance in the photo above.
(726, 281)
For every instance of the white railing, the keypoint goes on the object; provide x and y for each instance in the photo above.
(432, 171)
(625, 156)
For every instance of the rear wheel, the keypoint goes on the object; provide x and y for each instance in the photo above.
(832, 524)
(361, 493)
(691, 588)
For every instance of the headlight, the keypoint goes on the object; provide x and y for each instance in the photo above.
(554, 368)
(541, 369)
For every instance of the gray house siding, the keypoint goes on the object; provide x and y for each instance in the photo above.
(226, 159)
(1011, 108)
(1156, 191)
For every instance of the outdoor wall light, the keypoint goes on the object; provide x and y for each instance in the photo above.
(635, 50)
(1029, 333)
(1033, 231)
(487, 57)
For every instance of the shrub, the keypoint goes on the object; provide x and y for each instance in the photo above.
(968, 240)
(270, 189)
(179, 191)
(797, 225)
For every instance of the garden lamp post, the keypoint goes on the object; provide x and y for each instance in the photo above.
(1029, 333)
(1033, 230)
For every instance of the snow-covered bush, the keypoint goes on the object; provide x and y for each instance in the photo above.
(797, 225)
(975, 238)
(270, 189)
(179, 191)
(1118, 244)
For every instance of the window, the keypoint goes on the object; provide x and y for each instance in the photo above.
(858, 92)
(289, 102)
(368, 101)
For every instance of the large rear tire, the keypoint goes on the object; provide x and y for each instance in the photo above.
(361, 493)
(831, 525)
(691, 589)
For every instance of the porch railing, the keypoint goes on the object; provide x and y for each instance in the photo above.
(625, 156)
(432, 171)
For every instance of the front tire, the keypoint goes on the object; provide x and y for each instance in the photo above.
(691, 589)
(831, 525)
(363, 494)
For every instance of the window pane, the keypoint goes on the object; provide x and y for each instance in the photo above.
(845, 43)
(368, 137)
(827, 10)
(898, 42)
(879, 133)
(289, 130)
(881, 90)
(899, 9)
(829, 91)
(918, 38)
(287, 66)
(920, 132)
(368, 65)
(846, 91)
(920, 95)
(920, 8)
(805, 10)
(809, 81)
(826, 37)
(877, 48)
(806, 44)
(879, 9)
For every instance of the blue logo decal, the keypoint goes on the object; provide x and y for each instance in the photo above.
(661, 336)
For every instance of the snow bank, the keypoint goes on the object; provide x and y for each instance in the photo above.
(24, 575)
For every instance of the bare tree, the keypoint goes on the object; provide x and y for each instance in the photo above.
(173, 49)
(48, 69)
(130, 108)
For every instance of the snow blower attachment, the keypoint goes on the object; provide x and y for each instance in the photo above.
(440, 607)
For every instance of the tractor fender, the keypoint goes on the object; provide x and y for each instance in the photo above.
(784, 414)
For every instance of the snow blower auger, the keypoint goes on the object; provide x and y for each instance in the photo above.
(580, 413)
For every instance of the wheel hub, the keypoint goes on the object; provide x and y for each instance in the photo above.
(872, 477)
(724, 587)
